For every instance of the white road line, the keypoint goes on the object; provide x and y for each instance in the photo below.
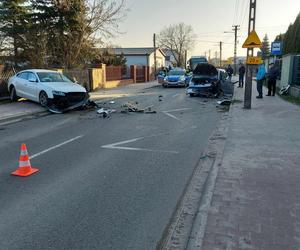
(172, 116)
(115, 146)
(176, 110)
(56, 146)
(175, 95)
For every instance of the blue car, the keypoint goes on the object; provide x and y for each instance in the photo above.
(175, 78)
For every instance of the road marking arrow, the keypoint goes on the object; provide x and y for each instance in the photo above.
(117, 146)
(174, 110)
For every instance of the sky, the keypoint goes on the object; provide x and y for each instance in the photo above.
(209, 19)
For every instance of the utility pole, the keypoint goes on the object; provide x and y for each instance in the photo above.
(235, 28)
(249, 68)
(216, 57)
(185, 58)
(221, 54)
(154, 47)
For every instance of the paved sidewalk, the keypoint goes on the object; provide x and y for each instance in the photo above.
(256, 199)
(19, 109)
(24, 108)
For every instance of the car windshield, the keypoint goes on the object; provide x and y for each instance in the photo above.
(176, 73)
(198, 60)
(52, 77)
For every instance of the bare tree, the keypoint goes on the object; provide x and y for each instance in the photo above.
(177, 38)
(103, 17)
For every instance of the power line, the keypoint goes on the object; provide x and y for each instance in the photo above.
(235, 12)
(245, 9)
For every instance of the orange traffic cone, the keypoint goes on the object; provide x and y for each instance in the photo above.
(25, 168)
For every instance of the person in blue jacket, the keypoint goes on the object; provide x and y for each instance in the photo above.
(260, 78)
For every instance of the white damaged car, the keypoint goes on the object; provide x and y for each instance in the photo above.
(49, 88)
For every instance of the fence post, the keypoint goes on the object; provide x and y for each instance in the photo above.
(145, 74)
(97, 77)
(133, 73)
(103, 67)
(148, 74)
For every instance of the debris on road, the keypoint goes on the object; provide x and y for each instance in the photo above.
(133, 107)
(225, 102)
(105, 112)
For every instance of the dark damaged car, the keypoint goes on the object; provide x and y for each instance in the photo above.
(50, 88)
(206, 81)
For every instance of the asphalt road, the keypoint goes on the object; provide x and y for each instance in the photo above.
(103, 183)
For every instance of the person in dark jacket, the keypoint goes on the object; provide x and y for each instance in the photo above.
(242, 71)
(272, 77)
(229, 71)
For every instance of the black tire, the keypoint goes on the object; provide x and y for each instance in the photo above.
(192, 95)
(165, 86)
(13, 94)
(43, 99)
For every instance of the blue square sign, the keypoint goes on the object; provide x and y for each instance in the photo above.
(276, 48)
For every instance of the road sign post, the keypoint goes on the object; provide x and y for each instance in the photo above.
(251, 42)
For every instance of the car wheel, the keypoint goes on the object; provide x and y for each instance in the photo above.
(165, 86)
(192, 95)
(13, 94)
(43, 99)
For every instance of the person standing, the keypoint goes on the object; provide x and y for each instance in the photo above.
(242, 71)
(229, 71)
(260, 77)
(272, 77)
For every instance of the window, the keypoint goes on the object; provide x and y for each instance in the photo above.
(23, 75)
(31, 77)
(52, 77)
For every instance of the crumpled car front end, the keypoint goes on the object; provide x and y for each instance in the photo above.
(204, 81)
(62, 102)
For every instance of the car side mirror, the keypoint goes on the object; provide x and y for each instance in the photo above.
(75, 80)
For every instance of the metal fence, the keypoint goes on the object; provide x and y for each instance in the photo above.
(4, 76)
(82, 76)
(117, 73)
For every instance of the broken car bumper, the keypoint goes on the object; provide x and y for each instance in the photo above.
(61, 104)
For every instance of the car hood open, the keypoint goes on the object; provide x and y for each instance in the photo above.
(205, 69)
(65, 87)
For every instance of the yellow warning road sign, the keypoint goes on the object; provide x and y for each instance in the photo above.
(252, 41)
(254, 60)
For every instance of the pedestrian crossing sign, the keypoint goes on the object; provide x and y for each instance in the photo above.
(252, 41)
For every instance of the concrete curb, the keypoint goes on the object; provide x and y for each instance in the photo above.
(18, 118)
(187, 226)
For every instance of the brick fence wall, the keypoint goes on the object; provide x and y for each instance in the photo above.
(95, 78)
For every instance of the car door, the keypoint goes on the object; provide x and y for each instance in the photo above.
(31, 87)
(19, 83)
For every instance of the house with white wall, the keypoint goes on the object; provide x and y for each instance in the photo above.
(142, 56)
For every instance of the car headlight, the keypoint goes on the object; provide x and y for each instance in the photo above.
(58, 93)
(166, 78)
(182, 78)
